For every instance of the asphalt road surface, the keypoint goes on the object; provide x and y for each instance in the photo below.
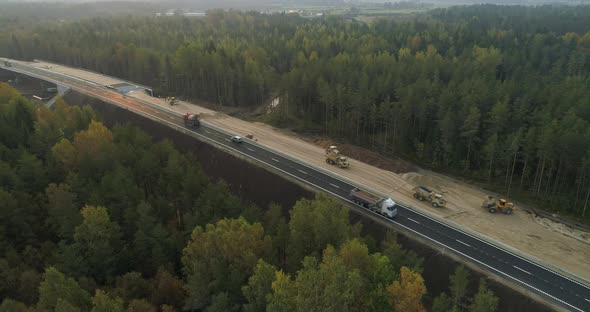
(552, 286)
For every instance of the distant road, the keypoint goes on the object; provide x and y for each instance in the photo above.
(547, 284)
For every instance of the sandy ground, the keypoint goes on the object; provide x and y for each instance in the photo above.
(551, 242)
(538, 237)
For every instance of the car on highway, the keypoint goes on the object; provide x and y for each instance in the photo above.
(236, 139)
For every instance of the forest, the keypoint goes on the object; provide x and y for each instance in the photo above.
(495, 94)
(98, 219)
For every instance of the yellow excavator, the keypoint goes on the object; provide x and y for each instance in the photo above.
(502, 205)
(333, 157)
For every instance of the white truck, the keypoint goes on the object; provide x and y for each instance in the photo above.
(385, 206)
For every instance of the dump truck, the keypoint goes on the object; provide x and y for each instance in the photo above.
(333, 157)
(171, 100)
(192, 120)
(384, 206)
(422, 193)
(502, 205)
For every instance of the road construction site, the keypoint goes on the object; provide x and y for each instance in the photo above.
(545, 240)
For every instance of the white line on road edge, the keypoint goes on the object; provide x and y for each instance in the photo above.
(275, 159)
(491, 268)
(463, 243)
(334, 185)
(413, 220)
(302, 171)
(251, 150)
(527, 272)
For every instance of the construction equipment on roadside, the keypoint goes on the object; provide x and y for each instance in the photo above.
(171, 100)
(502, 205)
(333, 157)
(421, 193)
(192, 120)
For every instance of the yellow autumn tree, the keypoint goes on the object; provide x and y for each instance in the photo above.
(94, 140)
(406, 294)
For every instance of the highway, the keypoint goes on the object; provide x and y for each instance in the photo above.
(544, 282)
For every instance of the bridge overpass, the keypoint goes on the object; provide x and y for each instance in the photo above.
(562, 290)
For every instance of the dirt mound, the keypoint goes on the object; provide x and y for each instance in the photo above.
(369, 157)
(584, 237)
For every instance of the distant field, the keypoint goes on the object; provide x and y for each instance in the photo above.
(358, 11)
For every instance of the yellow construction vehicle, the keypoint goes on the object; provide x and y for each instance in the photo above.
(333, 157)
(421, 193)
(502, 205)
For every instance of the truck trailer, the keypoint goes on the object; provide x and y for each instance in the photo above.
(191, 120)
(384, 206)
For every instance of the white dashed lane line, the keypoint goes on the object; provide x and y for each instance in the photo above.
(251, 150)
(527, 272)
(413, 220)
(334, 185)
(227, 140)
(302, 171)
(275, 159)
(207, 132)
(463, 243)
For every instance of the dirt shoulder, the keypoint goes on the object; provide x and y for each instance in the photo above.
(549, 241)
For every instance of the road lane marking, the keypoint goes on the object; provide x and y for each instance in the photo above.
(207, 132)
(413, 220)
(527, 272)
(587, 299)
(227, 140)
(302, 171)
(275, 159)
(463, 243)
(251, 150)
(171, 117)
(490, 267)
(334, 185)
(503, 248)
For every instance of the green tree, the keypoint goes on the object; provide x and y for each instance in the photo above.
(168, 289)
(101, 302)
(141, 305)
(64, 215)
(484, 300)
(259, 287)
(152, 243)
(97, 242)
(398, 256)
(56, 286)
(442, 303)
(220, 258)
(132, 286)
(284, 293)
(470, 131)
(314, 225)
(9, 305)
(459, 285)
